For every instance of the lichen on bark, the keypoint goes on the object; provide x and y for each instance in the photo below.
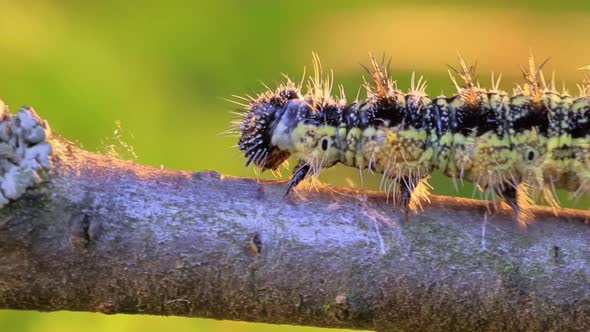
(24, 152)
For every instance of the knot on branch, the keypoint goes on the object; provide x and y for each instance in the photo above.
(24, 151)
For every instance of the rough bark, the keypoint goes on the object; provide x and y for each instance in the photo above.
(111, 236)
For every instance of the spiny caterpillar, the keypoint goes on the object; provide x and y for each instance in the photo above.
(518, 147)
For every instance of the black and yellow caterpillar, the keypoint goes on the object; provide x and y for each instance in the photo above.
(517, 147)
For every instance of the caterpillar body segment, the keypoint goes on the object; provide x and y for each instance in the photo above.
(518, 147)
(580, 132)
(481, 149)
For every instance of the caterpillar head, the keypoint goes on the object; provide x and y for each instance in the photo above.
(256, 129)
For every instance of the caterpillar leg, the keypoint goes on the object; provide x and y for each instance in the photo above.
(405, 195)
(520, 201)
(412, 193)
(509, 194)
(299, 174)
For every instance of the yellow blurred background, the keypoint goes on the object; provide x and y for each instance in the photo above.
(163, 70)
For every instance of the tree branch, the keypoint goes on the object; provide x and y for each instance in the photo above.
(111, 236)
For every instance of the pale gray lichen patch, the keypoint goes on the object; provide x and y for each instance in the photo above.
(24, 151)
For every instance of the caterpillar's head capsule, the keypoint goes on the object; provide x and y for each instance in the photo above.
(257, 128)
(285, 124)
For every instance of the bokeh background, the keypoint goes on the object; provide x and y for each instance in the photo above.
(162, 71)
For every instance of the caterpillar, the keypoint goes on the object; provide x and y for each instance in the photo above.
(516, 148)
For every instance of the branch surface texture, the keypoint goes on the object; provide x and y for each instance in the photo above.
(111, 236)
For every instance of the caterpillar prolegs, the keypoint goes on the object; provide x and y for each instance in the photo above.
(518, 147)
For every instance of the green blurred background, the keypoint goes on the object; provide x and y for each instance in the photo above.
(163, 70)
